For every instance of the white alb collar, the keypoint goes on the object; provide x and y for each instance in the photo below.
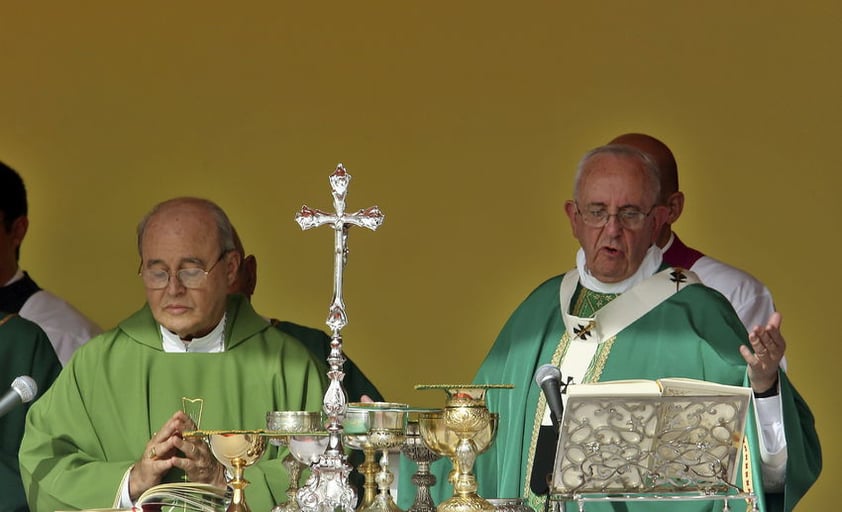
(211, 342)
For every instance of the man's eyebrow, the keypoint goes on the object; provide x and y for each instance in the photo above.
(621, 207)
(192, 259)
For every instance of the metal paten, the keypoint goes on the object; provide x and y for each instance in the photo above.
(328, 488)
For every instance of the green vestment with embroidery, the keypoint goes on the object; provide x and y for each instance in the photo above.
(694, 334)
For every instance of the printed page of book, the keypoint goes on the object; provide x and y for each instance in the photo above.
(678, 386)
(629, 387)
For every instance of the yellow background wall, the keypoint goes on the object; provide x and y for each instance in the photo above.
(462, 120)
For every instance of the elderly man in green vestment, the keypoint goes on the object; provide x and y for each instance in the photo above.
(109, 428)
(622, 314)
(24, 350)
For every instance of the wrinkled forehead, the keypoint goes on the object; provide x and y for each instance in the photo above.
(182, 236)
(613, 180)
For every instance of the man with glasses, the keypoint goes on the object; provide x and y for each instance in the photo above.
(623, 314)
(110, 427)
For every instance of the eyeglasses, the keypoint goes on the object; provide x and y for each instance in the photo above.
(157, 279)
(629, 218)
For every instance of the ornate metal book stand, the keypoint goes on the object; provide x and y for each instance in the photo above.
(650, 449)
(328, 488)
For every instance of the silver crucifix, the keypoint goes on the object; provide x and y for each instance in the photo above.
(328, 488)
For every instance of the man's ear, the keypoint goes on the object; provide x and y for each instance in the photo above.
(249, 274)
(675, 205)
(19, 228)
(232, 266)
(571, 211)
(660, 215)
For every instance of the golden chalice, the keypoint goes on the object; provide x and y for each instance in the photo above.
(281, 426)
(464, 429)
(236, 450)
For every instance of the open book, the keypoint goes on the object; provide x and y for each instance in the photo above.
(671, 386)
(184, 496)
(178, 496)
(639, 436)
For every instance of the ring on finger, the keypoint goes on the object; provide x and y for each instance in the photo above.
(153, 454)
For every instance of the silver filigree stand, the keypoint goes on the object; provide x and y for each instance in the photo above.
(417, 451)
(662, 448)
(328, 488)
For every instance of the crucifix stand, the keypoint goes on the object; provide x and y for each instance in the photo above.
(328, 488)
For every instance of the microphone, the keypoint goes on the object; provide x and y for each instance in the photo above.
(23, 391)
(548, 378)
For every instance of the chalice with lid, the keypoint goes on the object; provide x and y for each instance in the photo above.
(464, 429)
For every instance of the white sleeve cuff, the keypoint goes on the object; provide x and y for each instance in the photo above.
(122, 499)
(773, 452)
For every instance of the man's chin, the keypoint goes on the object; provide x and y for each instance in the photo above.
(179, 327)
(609, 275)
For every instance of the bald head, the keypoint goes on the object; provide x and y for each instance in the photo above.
(661, 154)
(190, 206)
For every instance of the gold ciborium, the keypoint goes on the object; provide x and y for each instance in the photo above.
(359, 419)
(236, 450)
(464, 429)
(281, 426)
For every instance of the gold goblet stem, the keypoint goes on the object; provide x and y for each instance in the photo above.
(369, 470)
(238, 483)
(294, 470)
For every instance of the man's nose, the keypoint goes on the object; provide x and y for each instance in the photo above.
(175, 286)
(613, 224)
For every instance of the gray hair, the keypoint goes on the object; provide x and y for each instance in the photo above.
(653, 174)
(224, 229)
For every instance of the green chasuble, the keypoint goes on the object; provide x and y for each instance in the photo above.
(121, 386)
(694, 334)
(24, 350)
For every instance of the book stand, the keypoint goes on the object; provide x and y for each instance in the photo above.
(650, 448)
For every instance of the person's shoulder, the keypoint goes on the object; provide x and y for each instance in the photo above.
(99, 344)
(13, 327)
(701, 293)
(549, 287)
(53, 312)
(300, 331)
(541, 304)
(315, 340)
(711, 269)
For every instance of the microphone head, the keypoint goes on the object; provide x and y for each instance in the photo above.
(545, 372)
(26, 387)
